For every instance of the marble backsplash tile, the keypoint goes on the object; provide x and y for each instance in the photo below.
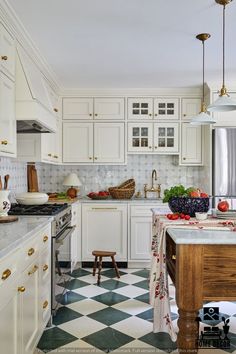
(96, 178)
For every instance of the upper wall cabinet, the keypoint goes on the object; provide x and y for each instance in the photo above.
(7, 53)
(149, 108)
(191, 145)
(93, 108)
(190, 107)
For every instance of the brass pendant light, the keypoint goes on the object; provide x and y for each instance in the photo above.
(203, 118)
(224, 103)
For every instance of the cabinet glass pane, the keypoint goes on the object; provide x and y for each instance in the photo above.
(161, 131)
(170, 111)
(161, 142)
(170, 142)
(144, 105)
(170, 105)
(135, 105)
(135, 111)
(161, 112)
(144, 142)
(136, 131)
(161, 105)
(144, 111)
(135, 142)
(144, 131)
(170, 132)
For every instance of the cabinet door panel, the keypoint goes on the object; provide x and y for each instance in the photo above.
(7, 116)
(191, 144)
(7, 45)
(140, 108)
(109, 108)
(140, 238)
(140, 137)
(78, 108)
(190, 107)
(166, 137)
(166, 108)
(109, 142)
(104, 226)
(77, 142)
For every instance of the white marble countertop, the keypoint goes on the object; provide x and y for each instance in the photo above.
(208, 237)
(15, 233)
(109, 200)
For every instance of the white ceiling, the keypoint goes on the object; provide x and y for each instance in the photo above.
(130, 43)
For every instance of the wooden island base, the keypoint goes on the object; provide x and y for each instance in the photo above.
(200, 272)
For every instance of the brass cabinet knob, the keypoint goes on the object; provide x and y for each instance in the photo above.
(45, 238)
(4, 142)
(96, 114)
(55, 110)
(50, 155)
(6, 274)
(95, 158)
(150, 147)
(155, 147)
(185, 115)
(150, 114)
(31, 251)
(45, 267)
(90, 114)
(45, 304)
(90, 158)
(55, 156)
(173, 257)
(21, 289)
(184, 158)
(4, 57)
(33, 270)
(156, 114)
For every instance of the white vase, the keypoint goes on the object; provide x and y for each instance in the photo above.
(4, 202)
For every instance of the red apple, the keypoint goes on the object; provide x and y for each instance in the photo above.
(223, 206)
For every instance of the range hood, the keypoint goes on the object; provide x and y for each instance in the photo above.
(34, 111)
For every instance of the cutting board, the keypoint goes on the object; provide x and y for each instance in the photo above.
(32, 178)
(9, 218)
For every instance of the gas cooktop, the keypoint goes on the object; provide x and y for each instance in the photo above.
(43, 209)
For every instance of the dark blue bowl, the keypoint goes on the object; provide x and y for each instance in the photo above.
(188, 205)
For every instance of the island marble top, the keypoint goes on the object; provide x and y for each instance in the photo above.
(15, 233)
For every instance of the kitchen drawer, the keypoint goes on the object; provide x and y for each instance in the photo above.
(9, 268)
(45, 305)
(145, 210)
(171, 257)
(45, 238)
(30, 251)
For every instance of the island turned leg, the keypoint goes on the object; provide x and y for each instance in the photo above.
(188, 295)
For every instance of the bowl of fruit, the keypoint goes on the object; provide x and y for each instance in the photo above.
(186, 200)
(99, 195)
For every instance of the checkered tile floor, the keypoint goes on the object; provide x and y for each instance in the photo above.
(114, 316)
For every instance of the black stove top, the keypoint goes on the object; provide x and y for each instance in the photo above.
(43, 209)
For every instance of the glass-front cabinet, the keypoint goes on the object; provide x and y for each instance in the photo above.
(140, 108)
(166, 108)
(140, 137)
(166, 137)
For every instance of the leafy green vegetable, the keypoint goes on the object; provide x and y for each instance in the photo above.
(177, 191)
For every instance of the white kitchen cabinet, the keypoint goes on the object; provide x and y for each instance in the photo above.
(191, 145)
(93, 142)
(7, 117)
(53, 99)
(7, 53)
(166, 108)
(166, 137)
(93, 108)
(225, 119)
(104, 227)
(153, 137)
(140, 108)
(190, 107)
(44, 147)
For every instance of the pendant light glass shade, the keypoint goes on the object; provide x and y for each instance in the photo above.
(223, 103)
(203, 118)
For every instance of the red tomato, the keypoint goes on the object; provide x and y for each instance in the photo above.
(175, 217)
(169, 216)
(223, 206)
(182, 216)
(204, 195)
(187, 217)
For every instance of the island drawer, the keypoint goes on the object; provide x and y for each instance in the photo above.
(171, 257)
(142, 210)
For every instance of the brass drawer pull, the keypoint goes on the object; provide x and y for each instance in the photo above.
(33, 270)
(6, 274)
(96, 114)
(4, 57)
(55, 110)
(173, 257)
(45, 304)
(55, 156)
(104, 208)
(31, 251)
(21, 289)
(45, 267)
(185, 115)
(4, 142)
(49, 155)
(45, 238)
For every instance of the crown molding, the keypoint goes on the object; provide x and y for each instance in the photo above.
(10, 19)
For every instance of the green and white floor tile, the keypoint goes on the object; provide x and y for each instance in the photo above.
(115, 316)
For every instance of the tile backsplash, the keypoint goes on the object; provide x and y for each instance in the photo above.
(96, 178)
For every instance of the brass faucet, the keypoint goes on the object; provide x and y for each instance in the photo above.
(153, 189)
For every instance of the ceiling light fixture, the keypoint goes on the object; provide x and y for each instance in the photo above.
(223, 103)
(203, 118)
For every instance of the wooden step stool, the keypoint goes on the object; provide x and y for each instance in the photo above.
(100, 254)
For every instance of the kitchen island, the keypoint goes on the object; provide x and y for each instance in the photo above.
(201, 264)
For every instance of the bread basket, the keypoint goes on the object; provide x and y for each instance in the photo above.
(123, 191)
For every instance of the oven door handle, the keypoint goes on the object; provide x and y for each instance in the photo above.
(65, 234)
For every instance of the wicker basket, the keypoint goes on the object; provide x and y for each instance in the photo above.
(121, 193)
(129, 184)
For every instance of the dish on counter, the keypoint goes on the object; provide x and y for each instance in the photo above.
(231, 214)
(201, 216)
(32, 198)
(99, 195)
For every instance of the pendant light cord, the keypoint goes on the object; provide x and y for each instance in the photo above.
(203, 72)
(224, 46)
